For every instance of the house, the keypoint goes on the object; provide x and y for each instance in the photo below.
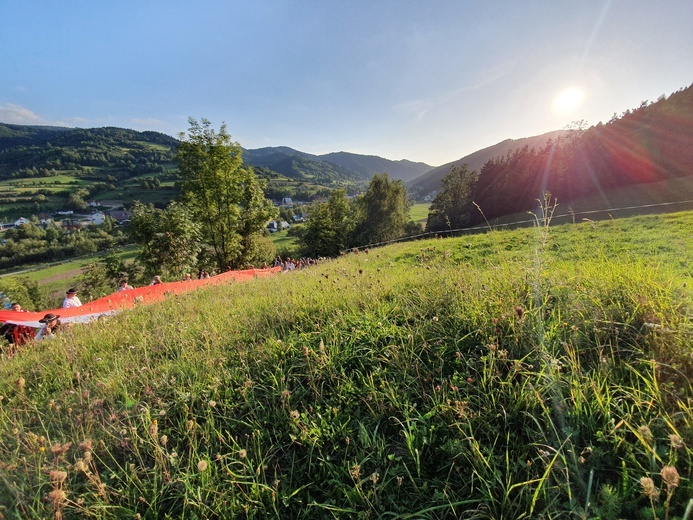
(96, 219)
(284, 225)
(298, 218)
(120, 216)
(272, 226)
(286, 201)
(20, 221)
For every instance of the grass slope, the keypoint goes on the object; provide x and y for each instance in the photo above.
(519, 374)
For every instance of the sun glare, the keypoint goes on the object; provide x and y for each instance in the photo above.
(568, 100)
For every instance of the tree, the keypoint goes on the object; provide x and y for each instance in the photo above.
(224, 194)
(170, 238)
(329, 227)
(451, 209)
(383, 211)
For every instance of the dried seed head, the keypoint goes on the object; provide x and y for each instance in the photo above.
(202, 466)
(646, 433)
(56, 497)
(676, 441)
(80, 466)
(670, 476)
(648, 487)
(57, 476)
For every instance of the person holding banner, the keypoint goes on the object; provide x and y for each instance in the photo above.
(71, 299)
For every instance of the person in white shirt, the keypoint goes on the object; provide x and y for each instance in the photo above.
(124, 286)
(71, 299)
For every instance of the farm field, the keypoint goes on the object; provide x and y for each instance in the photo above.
(539, 372)
(419, 212)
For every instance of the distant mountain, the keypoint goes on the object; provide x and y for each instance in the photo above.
(368, 165)
(431, 180)
(299, 165)
(293, 163)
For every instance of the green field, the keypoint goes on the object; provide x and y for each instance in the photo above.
(419, 212)
(541, 372)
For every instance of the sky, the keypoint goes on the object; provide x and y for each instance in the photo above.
(427, 80)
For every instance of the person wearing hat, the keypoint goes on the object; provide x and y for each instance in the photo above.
(71, 299)
(51, 324)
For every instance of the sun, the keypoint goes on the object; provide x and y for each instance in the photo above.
(568, 100)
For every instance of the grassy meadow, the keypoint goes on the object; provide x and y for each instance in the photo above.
(535, 373)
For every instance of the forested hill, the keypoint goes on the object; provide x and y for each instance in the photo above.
(297, 165)
(39, 151)
(294, 164)
(431, 179)
(367, 165)
(43, 151)
(650, 144)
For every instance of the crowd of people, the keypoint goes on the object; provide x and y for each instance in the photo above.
(16, 335)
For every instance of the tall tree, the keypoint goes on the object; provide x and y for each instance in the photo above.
(384, 210)
(329, 228)
(451, 208)
(170, 238)
(226, 197)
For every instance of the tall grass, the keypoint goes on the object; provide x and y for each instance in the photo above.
(516, 374)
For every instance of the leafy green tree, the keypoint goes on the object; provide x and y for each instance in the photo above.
(226, 197)
(22, 290)
(384, 211)
(329, 227)
(103, 276)
(170, 238)
(451, 209)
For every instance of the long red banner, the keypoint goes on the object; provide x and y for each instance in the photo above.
(131, 297)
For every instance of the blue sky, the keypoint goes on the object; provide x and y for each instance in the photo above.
(426, 80)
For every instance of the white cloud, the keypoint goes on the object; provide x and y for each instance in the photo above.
(14, 114)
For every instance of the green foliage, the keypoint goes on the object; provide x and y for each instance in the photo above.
(329, 228)
(227, 198)
(21, 290)
(170, 239)
(384, 211)
(34, 243)
(534, 373)
(452, 206)
(103, 276)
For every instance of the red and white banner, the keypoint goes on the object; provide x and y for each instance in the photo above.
(129, 298)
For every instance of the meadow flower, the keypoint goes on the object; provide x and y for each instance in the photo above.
(212, 404)
(21, 382)
(202, 466)
(242, 453)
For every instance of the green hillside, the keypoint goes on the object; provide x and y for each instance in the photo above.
(536, 373)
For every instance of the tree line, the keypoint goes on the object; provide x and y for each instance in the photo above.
(651, 143)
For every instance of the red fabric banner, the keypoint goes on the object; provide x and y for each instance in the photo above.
(131, 297)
